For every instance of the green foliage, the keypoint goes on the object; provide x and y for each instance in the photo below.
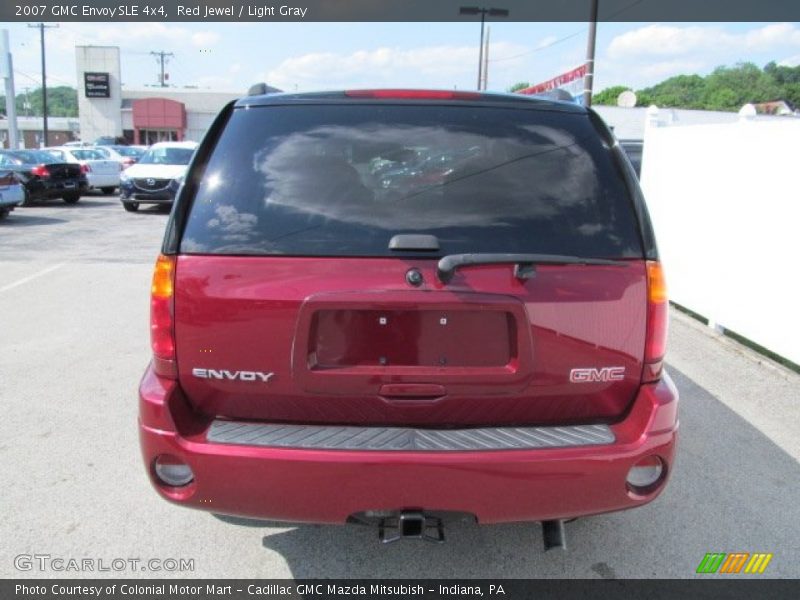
(62, 101)
(608, 96)
(519, 86)
(726, 88)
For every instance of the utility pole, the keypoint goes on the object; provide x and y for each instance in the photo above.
(588, 81)
(41, 27)
(492, 12)
(486, 60)
(162, 57)
(7, 72)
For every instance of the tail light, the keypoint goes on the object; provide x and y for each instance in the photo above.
(413, 94)
(657, 320)
(126, 162)
(162, 338)
(85, 169)
(40, 171)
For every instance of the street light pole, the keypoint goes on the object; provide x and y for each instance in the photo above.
(492, 12)
(41, 27)
(588, 82)
(480, 50)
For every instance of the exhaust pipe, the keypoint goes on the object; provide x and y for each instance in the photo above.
(553, 535)
(411, 524)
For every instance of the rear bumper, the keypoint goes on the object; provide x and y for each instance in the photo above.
(55, 188)
(327, 486)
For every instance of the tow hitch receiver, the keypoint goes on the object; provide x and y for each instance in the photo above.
(411, 524)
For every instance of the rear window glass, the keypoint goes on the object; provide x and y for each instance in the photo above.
(167, 156)
(87, 154)
(344, 179)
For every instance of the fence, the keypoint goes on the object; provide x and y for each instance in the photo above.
(725, 202)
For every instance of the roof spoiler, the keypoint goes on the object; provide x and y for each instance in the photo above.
(557, 94)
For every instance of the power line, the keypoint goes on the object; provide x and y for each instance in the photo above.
(566, 37)
(162, 57)
(41, 27)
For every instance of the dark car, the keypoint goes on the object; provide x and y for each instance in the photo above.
(156, 176)
(487, 342)
(109, 140)
(44, 176)
(125, 155)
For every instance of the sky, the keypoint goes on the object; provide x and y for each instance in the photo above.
(316, 56)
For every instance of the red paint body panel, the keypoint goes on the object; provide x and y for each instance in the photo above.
(504, 356)
(327, 486)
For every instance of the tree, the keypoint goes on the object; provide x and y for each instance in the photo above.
(608, 96)
(519, 86)
(62, 101)
(726, 88)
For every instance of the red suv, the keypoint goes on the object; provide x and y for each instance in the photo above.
(393, 305)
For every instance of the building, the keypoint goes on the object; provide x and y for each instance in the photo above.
(60, 130)
(107, 108)
(629, 123)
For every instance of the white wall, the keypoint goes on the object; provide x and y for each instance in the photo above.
(99, 116)
(725, 203)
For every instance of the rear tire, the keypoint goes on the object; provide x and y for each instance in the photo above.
(107, 190)
(4, 213)
(71, 198)
(130, 206)
(26, 199)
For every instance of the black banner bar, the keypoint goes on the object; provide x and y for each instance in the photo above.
(393, 10)
(730, 588)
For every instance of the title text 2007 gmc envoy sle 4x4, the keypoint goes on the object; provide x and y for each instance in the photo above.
(389, 306)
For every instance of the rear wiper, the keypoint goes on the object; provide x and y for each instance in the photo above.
(524, 263)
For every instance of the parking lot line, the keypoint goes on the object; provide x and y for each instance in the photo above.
(30, 277)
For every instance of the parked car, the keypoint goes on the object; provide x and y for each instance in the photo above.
(488, 343)
(101, 173)
(11, 192)
(156, 177)
(126, 156)
(44, 176)
(110, 140)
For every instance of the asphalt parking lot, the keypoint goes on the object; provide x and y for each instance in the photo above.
(74, 300)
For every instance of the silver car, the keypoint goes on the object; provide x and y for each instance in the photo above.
(11, 193)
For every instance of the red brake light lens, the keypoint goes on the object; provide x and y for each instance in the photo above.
(657, 322)
(413, 94)
(86, 169)
(162, 338)
(40, 171)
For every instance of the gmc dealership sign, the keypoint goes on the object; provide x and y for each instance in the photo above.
(97, 85)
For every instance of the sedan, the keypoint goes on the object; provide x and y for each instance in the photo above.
(43, 176)
(125, 155)
(102, 173)
(11, 192)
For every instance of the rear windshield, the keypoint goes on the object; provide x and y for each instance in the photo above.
(128, 151)
(167, 156)
(344, 179)
(35, 156)
(87, 154)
